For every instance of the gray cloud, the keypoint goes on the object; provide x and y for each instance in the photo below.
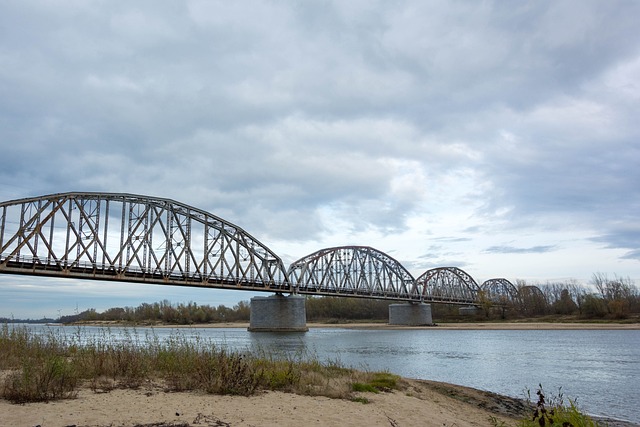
(624, 237)
(634, 255)
(300, 121)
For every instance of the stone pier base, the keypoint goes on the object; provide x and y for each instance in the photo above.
(410, 314)
(278, 313)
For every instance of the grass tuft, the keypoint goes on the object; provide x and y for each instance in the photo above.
(377, 382)
(384, 381)
(365, 388)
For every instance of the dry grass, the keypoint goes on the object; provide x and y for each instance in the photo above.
(52, 366)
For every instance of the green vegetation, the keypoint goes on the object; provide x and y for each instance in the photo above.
(384, 381)
(379, 381)
(556, 414)
(364, 388)
(53, 366)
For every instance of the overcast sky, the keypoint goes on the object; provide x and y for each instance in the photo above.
(498, 137)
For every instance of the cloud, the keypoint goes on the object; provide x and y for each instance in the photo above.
(633, 255)
(334, 122)
(622, 236)
(515, 250)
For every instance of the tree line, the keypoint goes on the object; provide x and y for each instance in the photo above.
(614, 298)
(333, 309)
(165, 312)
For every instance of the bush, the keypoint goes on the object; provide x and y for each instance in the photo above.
(556, 414)
(619, 308)
(41, 380)
(594, 307)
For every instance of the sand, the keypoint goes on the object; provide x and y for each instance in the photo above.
(424, 403)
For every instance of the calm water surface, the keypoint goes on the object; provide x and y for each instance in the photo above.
(599, 369)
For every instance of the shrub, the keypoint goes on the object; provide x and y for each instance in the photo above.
(556, 414)
(619, 308)
(593, 307)
(41, 381)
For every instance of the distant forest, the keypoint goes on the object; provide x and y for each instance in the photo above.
(615, 298)
(318, 309)
(13, 320)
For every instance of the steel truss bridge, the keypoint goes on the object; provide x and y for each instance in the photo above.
(133, 238)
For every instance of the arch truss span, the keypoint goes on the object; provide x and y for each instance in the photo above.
(133, 238)
(529, 292)
(447, 285)
(500, 291)
(352, 271)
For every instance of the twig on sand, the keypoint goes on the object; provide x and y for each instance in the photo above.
(392, 422)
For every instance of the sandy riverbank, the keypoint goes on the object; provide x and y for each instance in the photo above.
(423, 403)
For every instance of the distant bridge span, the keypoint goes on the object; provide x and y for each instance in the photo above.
(133, 238)
(362, 271)
(353, 271)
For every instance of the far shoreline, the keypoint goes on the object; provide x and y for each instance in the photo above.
(524, 326)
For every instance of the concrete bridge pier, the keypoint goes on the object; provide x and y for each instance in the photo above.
(278, 313)
(410, 314)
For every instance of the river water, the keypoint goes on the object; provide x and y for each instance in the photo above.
(600, 369)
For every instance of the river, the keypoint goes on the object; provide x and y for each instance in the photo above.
(600, 369)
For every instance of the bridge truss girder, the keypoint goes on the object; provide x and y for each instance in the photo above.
(531, 292)
(500, 291)
(126, 237)
(447, 285)
(358, 271)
